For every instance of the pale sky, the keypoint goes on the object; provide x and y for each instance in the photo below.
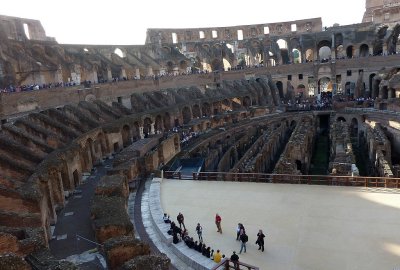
(122, 22)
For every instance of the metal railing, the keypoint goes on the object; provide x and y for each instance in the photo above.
(329, 180)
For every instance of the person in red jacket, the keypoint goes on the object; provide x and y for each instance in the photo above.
(218, 222)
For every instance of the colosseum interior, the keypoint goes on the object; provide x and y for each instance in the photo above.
(284, 102)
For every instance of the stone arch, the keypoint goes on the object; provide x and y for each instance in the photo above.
(196, 111)
(375, 87)
(136, 131)
(350, 51)
(279, 85)
(102, 146)
(158, 124)
(170, 67)
(323, 84)
(206, 109)
(364, 50)
(186, 115)
(370, 84)
(126, 135)
(296, 50)
(246, 101)
(324, 50)
(167, 121)
(340, 119)
(393, 40)
(120, 52)
(338, 43)
(378, 42)
(309, 55)
(284, 50)
(147, 126)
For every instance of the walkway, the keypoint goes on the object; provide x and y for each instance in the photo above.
(307, 227)
(74, 219)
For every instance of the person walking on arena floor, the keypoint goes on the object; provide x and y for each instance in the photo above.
(181, 220)
(260, 240)
(218, 222)
(199, 231)
(243, 238)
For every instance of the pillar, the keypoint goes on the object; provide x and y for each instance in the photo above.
(141, 132)
(152, 132)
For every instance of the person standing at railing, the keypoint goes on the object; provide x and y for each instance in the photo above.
(218, 220)
(235, 260)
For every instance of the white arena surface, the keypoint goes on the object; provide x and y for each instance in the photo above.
(306, 227)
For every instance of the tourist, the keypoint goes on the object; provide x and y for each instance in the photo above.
(235, 260)
(239, 226)
(218, 222)
(166, 218)
(260, 240)
(217, 256)
(181, 220)
(243, 238)
(199, 231)
(208, 252)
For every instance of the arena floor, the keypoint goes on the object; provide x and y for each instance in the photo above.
(306, 227)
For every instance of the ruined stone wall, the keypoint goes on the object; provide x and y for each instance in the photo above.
(296, 157)
(342, 159)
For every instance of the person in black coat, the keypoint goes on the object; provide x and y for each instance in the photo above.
(260, 240)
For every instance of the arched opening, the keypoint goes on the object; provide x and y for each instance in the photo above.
(393, 40)
(119, 52)
(349, 51)
(283, 48)
(298, 165)
(354, 127)
(364, 50)
(206, 109)
(158, 124)
(126, 135)
(170, 67)
(340, 119)
(279, 85)
(196, 111)
(324, 50)
(340, 52)
(339, 45)
(385, 92)
(167, 121)
(246, 102)
(136, 131)
(296, 56)
(324, 85)
(186, 115)
(375, 87)
(240, 34)
(371, 78)
(101, 145)
(226, 105)
(309, 55)
(174, 38)
(26, 31)
(347, 88)
(147, 127)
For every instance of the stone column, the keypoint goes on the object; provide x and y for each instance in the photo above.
(152, 132)
(141, 132)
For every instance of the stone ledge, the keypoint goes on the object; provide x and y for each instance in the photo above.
(191, 257)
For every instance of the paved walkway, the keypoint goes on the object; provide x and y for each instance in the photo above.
(74, 219)
(306, 227)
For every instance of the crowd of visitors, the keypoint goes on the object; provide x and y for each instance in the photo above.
(180, 233)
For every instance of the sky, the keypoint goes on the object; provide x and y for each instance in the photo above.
(124, 22)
